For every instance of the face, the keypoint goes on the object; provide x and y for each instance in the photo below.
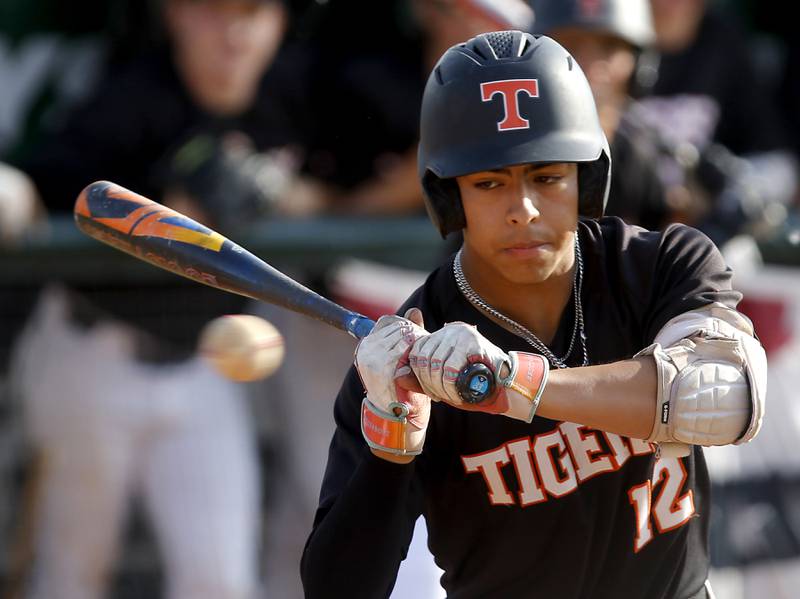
(450, 22)
(676, 22)
(607, 60)
(521, 222)
(223, 47)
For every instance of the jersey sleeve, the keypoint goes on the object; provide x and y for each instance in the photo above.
(689, 272)
(366, 514)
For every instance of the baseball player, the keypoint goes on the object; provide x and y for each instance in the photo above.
(617, 353)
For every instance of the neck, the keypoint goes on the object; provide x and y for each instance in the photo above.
(536, 306)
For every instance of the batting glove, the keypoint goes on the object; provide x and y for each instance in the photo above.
(393, 419)
(438, 358)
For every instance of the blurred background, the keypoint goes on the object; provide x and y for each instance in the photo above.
(127, 468)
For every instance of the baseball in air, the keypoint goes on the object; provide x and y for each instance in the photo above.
(242, 347)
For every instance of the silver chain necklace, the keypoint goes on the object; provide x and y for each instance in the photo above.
(578, 330)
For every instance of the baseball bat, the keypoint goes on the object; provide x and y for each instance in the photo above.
(170, 240)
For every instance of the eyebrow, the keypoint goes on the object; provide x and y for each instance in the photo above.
(530, 168)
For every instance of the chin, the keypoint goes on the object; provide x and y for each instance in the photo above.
(528, 274)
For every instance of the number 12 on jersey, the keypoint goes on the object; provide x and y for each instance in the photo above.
(668, 510)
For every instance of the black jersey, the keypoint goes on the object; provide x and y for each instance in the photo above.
(546, 509)
(716, 91)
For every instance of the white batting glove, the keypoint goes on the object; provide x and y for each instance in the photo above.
(438, 358)
(393, 419)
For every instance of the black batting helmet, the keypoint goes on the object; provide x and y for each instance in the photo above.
(502, 99)
(630, 20)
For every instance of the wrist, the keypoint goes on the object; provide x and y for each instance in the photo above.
(391, 432)
(392, 457)
(524, 384)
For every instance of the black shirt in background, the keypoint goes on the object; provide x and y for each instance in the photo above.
(124, 133)
(719, 66)
(636, 194)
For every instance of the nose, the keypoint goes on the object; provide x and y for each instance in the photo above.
(523, 205)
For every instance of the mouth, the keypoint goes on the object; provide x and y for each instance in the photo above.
(526, 245)
(526, 249)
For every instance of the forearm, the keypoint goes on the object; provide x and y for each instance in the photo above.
(619, 397)
(356, 548)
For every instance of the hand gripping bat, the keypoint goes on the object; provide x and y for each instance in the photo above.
(163, 237)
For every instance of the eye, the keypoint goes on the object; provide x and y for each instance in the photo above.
(487, 184)
(547, 178)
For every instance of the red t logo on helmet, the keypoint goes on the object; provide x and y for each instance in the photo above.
(508, 89)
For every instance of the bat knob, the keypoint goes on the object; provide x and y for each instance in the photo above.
(475, 383)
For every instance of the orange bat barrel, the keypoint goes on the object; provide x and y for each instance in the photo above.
(167, 239)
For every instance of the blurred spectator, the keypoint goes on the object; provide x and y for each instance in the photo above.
(701, 181)
(790, 90)
(115, 397)
(368, 87)
(51, 54)
(709, 101)
(715, 93)
(705, 54)
(777, 48)
(611, 41)
(196, 115)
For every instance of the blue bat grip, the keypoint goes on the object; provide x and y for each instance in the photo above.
(359, 326)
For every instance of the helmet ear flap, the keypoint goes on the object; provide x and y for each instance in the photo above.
(444, 203)
(593, 181)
